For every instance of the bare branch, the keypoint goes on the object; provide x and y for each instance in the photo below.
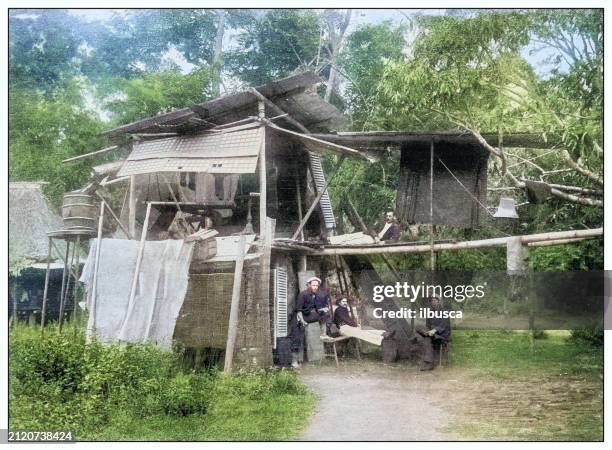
(587, 173)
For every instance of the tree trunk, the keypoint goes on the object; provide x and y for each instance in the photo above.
(217, 63)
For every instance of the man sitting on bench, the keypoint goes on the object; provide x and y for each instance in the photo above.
(348, 326)
(430, 339)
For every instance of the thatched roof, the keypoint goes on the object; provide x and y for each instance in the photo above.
(30, 218)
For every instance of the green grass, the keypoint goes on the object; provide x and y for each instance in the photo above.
(549, 389)
(512, 354)
(140, 392)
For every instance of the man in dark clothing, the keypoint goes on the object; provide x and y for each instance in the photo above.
(437, 331)
(312, 302)
(391, 230)
(342, 315)
(309, 315)
(348, 326)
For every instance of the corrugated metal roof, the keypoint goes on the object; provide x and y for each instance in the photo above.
(221, 152)
(290, 94)
(208, 165)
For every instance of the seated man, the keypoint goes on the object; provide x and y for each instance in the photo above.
(391, 230)
(348, 326)
(308, 319)
(429, 339)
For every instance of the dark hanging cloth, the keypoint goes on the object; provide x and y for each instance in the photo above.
(537, 191)
(452, 205)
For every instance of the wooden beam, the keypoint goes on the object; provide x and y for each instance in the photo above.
(132, 207)
(316, 200)
(279, 112)
(43, 314)
(143, 238)
(341, 149)
(483, 243)
(87, 155)
(94, 290)
(232, 328)
(395, 138)
(114, 216)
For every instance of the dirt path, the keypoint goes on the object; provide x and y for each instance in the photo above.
(368, 400)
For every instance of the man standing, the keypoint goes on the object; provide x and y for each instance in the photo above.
(391, 230)
(311, 309)
(437, 331)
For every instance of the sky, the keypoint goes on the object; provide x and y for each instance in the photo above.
(360, 17)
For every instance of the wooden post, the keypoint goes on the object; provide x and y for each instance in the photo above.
(43, 313)
(65, 296)
(316, 200)
(94, 283)
(65, 278)
(77, 247)
(132, 207)
(264, 284)
(232, 329)
(432, 255)
(143, 237)
(517, 264)
(298, 193)
(263, 184)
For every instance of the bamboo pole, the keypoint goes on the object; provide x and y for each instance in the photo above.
(86, 155)
(483, 243)
(43, 313)
(91, 330)
(141, 246)
(232, 329)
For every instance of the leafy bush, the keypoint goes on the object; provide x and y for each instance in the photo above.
(593, 336)
(128, 391)
(60, 382)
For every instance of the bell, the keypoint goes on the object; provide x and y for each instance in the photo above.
(506, 208)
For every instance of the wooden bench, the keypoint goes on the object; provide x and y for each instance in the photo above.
(333, 341)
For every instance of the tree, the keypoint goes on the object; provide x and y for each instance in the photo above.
(336, 25)
(44, 47)
(274, 45)
(44, 131)
(159, 92)
(363, 61)
(468, 73)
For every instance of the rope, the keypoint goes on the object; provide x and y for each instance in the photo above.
(466, 189)
(471, 195)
